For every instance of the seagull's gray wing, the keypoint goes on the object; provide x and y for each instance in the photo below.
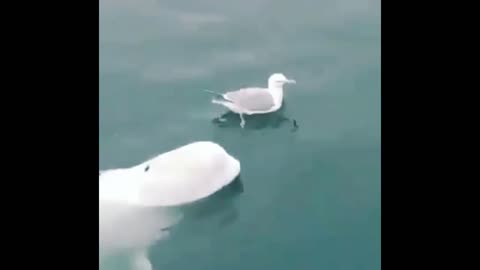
(251, 99)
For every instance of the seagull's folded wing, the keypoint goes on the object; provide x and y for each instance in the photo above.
(252, 99)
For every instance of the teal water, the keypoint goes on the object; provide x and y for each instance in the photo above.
(311, 198)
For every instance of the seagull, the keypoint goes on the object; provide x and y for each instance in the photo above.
(255, 100)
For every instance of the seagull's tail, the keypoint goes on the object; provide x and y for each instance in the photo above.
(214, 93)
(222, 99)
(216, 101)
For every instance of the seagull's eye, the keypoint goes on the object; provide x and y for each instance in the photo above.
(147, 168)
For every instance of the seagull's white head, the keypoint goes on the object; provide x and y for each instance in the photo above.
(278, 80)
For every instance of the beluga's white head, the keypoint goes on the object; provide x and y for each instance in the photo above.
(277, 80)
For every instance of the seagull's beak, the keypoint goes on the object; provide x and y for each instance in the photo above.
(291, 81)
